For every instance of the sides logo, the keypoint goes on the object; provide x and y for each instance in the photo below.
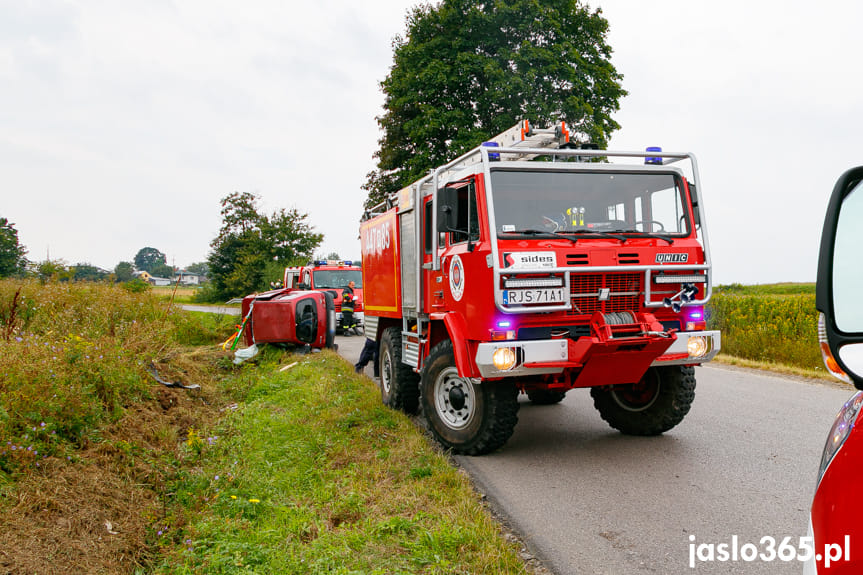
(526, 260)
(456, 278)
(672, 258)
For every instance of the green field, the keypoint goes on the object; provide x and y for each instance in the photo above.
(774, 324)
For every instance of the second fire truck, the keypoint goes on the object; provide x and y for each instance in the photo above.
(533, 264)
(330, 275)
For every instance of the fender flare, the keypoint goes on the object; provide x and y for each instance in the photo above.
(457, 329)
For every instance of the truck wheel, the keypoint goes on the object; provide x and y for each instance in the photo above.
(399, 383)
(545, 396)
(652, 406)
(469, 418)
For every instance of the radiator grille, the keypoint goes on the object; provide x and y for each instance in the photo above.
(626, 292)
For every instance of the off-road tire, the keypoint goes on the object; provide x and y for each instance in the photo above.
(468, 418)
(399, 383)
(545, 396)
(634, 410)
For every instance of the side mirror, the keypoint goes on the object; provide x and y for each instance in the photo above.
(302, 286)
(696, 211)
(839, 291)
(447, 210)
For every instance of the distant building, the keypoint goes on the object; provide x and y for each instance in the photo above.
(188, 278)
(145, 276)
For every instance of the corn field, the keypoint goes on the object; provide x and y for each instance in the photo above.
(767, 327)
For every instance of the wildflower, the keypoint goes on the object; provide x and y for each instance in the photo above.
(233, 496)
(254, 500)
(217, 478)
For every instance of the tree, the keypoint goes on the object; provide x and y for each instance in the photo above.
(87, 272)
(200, 268)
(56, 270)
(12, 254)
(242, 255)
(469, 69)
(123, 272)
(162, 271)
(147, 258)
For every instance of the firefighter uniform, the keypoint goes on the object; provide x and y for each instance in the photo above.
(348, 298)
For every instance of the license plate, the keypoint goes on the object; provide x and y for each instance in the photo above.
(533, 296)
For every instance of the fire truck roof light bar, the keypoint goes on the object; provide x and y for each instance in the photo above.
(672, 279)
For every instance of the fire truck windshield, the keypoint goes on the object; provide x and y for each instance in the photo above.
(629, 203)
(337, 279)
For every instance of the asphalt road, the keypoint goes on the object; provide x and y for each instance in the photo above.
(224, 310)
(588, 500)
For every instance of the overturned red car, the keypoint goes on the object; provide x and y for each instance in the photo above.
(298, 317)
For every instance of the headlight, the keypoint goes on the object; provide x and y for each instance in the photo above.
(697, 346)
(504, 358)
(842, 426)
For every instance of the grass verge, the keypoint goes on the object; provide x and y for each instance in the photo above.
(261, 470)
(312, 474)
(781, 368)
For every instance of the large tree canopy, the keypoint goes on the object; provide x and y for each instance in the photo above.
(252, 246)
(148, 258)
(470, 69)
(12, 254)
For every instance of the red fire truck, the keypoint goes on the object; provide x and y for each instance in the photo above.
(333, 276)
(536, 264)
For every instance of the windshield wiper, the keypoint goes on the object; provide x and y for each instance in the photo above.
(542, 233)
(587, 232)
(637, 234)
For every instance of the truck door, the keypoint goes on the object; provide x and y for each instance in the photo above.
(433, 286)
(463, 265)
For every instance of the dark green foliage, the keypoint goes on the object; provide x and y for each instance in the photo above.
(147, 258)
(249, 242)
(87, 272)
(162, 271)
(123, 272)
(468, 70)
(12, 254)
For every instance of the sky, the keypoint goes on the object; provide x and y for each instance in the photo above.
(123, 124)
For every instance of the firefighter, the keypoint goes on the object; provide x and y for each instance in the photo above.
(368, 354)
(348, 299)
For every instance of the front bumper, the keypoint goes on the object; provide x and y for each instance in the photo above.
(553, 356)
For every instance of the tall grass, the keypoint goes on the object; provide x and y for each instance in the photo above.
(759, 325)
(72, 357)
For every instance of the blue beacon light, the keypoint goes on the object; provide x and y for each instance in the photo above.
(653, 159)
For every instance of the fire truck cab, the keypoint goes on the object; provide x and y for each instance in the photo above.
(534, 264)
(333, 276)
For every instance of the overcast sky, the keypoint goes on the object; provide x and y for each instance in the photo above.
(122, 124)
